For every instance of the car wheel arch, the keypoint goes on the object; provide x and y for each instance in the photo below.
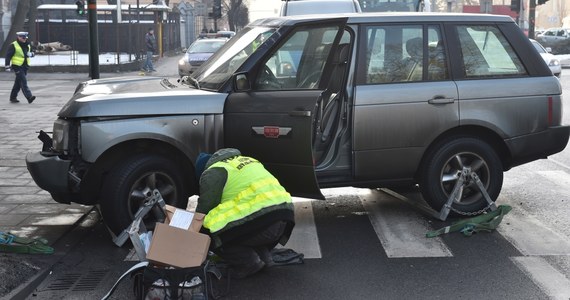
(94, 178)
(487, 135)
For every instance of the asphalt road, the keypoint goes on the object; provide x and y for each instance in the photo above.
(362, 244)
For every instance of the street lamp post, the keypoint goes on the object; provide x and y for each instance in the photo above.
(93, 40)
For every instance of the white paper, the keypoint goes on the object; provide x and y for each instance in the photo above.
(182, 219)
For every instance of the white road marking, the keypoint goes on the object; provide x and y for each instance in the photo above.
(551, 282)
(561, 178)
(304, 238)
(531, 237)
(401, 230)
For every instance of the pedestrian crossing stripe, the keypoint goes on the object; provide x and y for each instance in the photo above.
(549, 279)
(401, 230)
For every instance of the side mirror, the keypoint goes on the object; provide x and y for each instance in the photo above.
(548, 49)
(241, 82)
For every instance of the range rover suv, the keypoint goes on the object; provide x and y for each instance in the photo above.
(365, 100)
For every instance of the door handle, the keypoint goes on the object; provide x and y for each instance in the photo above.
(300, 113)
(441, 100)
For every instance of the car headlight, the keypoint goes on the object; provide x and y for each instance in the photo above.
(554, 62)
(61, 135)
(181, 62)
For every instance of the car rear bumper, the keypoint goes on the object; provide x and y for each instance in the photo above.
(538, 145)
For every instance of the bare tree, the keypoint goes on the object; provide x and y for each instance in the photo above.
(235, 12)
(17, 24)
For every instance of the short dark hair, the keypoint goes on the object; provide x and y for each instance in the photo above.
(150, 28)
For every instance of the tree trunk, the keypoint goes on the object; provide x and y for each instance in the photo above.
(17, 24)
(32, 22)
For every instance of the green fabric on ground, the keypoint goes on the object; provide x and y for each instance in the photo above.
(15, 244)
(485, 222)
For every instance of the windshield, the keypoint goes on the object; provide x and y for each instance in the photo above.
(206, 46)
(222, 65)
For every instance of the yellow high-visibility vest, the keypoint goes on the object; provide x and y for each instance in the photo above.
(18, 57)
(249, 189)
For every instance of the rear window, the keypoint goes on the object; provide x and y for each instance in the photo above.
(486, 53)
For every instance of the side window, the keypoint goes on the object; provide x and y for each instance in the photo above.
(400, 54)
(299, 62)
(549, 33)
(486, 53)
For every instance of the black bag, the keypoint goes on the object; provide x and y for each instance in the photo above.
(196, 283)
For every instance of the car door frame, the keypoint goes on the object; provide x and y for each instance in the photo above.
(275, 126)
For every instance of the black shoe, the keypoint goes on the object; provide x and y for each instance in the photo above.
(31, 99)
(14, 100)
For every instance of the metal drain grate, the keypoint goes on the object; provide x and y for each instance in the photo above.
(77, 282)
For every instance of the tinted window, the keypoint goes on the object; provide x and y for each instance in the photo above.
(299, 62)
(486, 53)
(400, 54)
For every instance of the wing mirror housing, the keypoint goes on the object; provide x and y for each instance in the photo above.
(241, 82)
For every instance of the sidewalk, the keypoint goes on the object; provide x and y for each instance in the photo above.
(25, 209)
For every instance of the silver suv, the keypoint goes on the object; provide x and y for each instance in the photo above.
(366, 100)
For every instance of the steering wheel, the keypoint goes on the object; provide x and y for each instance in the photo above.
(310, 80)
(267, 80)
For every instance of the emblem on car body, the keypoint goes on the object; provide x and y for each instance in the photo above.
(271, 132)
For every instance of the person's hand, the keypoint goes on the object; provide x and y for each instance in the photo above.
(8, 69)
(31, 54)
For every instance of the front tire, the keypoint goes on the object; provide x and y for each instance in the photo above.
(125, 186)
(447, 160)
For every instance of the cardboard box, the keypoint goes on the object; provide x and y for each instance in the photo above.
(176, 247)
(197, 221)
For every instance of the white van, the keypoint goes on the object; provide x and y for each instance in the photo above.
(307, 7)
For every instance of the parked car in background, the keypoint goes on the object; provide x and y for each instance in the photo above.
(306, 7)
(552, 62)
(447, 102)
(198, 53)
(558, 39)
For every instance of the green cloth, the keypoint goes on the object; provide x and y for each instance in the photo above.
(485, 222)
(15, 244)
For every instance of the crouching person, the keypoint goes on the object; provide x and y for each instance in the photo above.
(247, 211)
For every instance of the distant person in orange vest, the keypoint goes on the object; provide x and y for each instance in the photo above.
(18, 60)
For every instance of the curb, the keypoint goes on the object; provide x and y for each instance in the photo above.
(67, 242)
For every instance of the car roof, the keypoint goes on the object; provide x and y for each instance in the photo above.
(212, 40)
(354, 18)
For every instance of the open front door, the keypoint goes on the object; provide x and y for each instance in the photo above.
(275, 128)
(273, 122)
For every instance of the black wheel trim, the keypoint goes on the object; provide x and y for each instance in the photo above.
(165, 184)
(452, 169)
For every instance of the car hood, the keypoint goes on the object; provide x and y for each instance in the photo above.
(139, 96)
(547, 57)
(199, 56)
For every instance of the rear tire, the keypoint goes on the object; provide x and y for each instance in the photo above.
(125, 185)
(444, 163)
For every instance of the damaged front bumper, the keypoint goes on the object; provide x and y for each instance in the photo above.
(51, 174)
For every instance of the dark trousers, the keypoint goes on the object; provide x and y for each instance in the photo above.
(20, 83)
(243, 253)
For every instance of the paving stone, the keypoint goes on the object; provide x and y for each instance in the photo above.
(11, 219)
(38, 209)
(18, 199)
(14, 182)
(13, 190)
(50, 233)
(48, 220)
(5, 208)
